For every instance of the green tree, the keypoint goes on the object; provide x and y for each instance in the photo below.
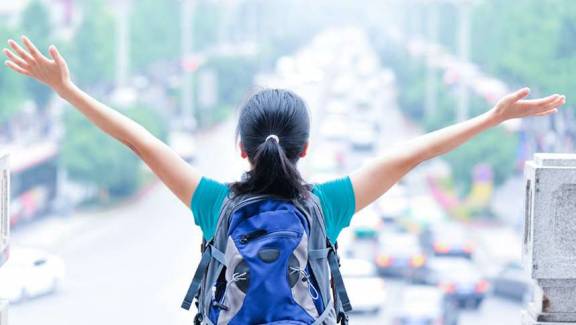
(235, 77)
(495, 147)
(11, 95)
(529, 42)
(92, 157)
(154, 32)
(206, 24)
(92, 57)
(35, 24)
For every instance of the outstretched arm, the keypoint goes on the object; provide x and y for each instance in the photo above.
(373, 180)
(181, 178)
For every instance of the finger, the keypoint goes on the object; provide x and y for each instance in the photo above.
(17, 68)
(543, 101)
(521, 93)
(533, 107)
(21, 52)
(33, 50)
(56, 55)
(561, 100)
(16, 59)
(550, 111)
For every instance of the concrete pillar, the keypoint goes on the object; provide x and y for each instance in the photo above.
(549, 245)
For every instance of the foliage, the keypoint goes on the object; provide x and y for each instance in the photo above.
(154, 32)
(92, 57)
(11, 96)
(36, 25)
(528, 43)
(494, 147)
(206, 24)
(91, 156)
(235, 76)
(445, 112)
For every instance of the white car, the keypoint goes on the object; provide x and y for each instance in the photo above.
(424, 305)
(30, 273)
(365, 289)
(363, 137)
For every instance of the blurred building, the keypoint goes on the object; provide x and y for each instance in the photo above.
(4, 223)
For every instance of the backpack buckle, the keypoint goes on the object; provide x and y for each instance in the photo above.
(198, 319)
(342, 318)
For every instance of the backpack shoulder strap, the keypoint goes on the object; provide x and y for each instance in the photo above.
(208, 251)
(341, 299)
(198, 276)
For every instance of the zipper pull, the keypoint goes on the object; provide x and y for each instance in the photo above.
(252, 235)
(220, 305)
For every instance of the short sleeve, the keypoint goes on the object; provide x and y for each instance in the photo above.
(338, 204)
(206, 204)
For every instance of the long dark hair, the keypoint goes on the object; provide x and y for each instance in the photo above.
(273, 112)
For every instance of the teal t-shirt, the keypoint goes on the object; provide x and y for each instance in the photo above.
(336, 198)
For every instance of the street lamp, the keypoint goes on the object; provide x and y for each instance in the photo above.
(123, 93)
(187, 97)
(463, 38)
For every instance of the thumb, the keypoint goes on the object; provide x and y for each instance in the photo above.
(520, 94)
(56, 55)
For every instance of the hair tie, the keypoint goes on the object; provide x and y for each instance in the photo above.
(273, 136)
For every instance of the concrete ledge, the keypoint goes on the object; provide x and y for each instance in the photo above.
(527, 319)
(561, 317)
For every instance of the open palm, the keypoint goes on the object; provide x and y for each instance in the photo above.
(31, 62)
(515, 105)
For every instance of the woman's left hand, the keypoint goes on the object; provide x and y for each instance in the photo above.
(514, 105)
(31, 62)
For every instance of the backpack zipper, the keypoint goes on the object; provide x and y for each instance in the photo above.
(259, 234)
(244, 239)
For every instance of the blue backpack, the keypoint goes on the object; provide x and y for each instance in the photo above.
(269, 262)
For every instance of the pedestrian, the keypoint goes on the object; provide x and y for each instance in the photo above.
(255, 272)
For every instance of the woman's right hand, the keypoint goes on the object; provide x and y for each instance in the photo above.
(31, 62)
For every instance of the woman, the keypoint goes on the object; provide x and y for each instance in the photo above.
(273, 130)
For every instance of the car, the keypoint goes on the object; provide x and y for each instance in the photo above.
(30, 273)
(363, 136)
(366, 223)
(420, 304)
(399, 255)
(364, 231)
(512, 282)
(447, 239)
(459, 278)
(393, 205)
(360, 277)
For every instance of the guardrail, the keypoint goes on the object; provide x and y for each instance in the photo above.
(4, 207)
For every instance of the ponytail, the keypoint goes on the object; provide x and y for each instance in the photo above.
(273, 128)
